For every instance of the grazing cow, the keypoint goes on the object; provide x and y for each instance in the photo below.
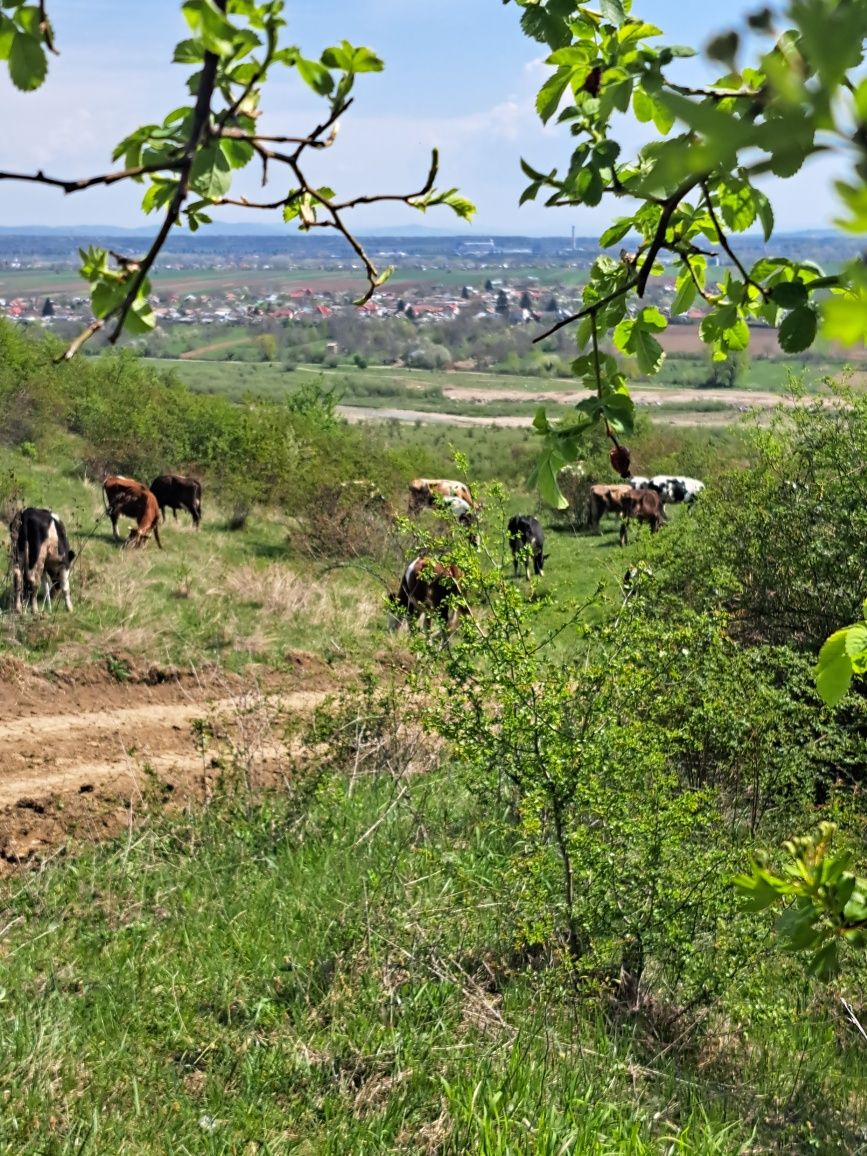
(428, 590)
(605, 500)
(424, 492)
(527, 540)
(643, 505)
(173, 491)
(464, 514)
(676, 489)
(40, 556)
(127, 497)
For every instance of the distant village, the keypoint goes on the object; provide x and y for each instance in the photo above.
(497, 285)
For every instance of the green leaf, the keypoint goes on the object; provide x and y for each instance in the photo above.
(551, 92)
(619, 410)
(648, 351)
(616, 232)
(211, 173)
(462, 207)
(825, 963)
(613, 11)
(765, 213)
(685, 294)
(315, 76)
(789, 294)
(189, 52)
(106, 296)
(237, 152)
(844, 319)
(28, 64)
(642, 105)
(757, 891)
(216, 32)
(798, 330)
(833, 670)
(141, 317)
(544, 478)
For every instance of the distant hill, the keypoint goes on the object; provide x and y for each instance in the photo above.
(253, 229)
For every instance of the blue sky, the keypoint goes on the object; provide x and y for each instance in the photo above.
(459, 75)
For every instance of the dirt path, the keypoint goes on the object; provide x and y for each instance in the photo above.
(80, 761)
(665, 395)
(193, 354)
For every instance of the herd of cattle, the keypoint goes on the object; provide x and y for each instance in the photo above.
(429, 589)
(40, 553)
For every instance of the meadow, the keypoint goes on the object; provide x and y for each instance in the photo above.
(482, 900)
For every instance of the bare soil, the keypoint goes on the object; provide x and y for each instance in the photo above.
(84, 756)
(194, 354)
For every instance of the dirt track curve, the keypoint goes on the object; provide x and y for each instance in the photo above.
(81, 760)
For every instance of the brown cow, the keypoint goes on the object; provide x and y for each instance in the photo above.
(428, 590)
(127, 497)
(643, 505)
(424, 492)
(605, 500)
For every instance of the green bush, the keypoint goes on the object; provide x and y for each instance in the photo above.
(779, 543)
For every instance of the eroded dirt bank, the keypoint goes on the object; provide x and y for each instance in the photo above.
(81, 755)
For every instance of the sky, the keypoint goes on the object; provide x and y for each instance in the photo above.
(459, 75)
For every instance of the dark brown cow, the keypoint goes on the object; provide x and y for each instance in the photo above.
(605, 500)
(127, 497)
(428, 590)
(643, 505)
(40, 556)
(174, 491)
(424, 492)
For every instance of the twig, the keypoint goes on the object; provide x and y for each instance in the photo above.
(847, 1007)
(723, 240)
(363, 838)
(77, 186)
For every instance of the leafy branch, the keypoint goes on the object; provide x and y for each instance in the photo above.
(188, 161)
(826, 902)
(799, 97)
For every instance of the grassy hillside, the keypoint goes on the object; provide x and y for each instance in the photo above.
(486, 904)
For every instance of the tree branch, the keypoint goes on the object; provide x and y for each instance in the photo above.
(723, 240)
(40, 178)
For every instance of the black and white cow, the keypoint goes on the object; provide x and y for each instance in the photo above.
(464, 514)
(673, 489)
(527, 541)
(428, 590)
(40, 556)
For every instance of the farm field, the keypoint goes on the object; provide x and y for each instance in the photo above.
(470, 398)
(14, 282)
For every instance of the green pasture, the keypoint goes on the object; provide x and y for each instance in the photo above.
(255, 595)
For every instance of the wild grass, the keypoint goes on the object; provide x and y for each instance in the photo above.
(338, 978)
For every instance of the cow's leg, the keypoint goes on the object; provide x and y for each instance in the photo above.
(17, 588)
(114, 516)
(624, 531)
(46, 590)
(64, 588)
(32, 582)
(157, 536)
